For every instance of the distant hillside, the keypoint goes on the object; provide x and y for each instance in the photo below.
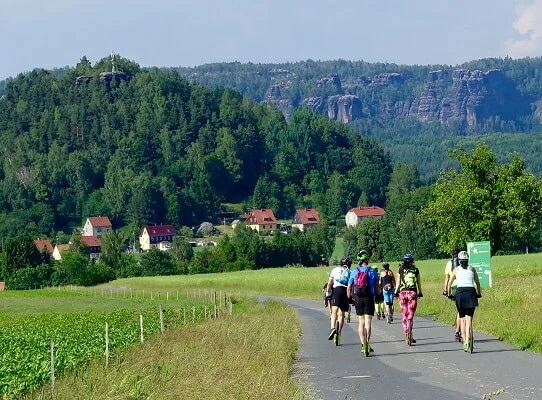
(482, 95)
(146, 146)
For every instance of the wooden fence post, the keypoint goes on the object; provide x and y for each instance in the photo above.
(52, 368)
(106, 344)
(141, 326)
(161, 319)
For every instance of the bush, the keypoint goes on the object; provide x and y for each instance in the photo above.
(156, 262)
(31, 277)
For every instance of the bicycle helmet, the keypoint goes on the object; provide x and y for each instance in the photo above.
(408, 260)
(463, 258)
(363, 255)
(346, 261)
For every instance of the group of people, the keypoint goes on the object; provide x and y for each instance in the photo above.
(371, 291)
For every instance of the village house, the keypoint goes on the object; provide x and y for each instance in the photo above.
(357, 215)
(94, 246)
(58, 250)
(159, 236)
(262, 220)
(96, 226)
(305, 218)
(43, 245)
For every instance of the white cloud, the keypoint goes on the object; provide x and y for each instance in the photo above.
(528, 24)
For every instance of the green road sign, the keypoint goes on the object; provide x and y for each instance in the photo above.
(480, 259)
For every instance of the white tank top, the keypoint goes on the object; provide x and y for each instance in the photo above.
(464, 277)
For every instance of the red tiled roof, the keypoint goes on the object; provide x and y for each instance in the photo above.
(261, 217)
(102, 222)
(91, 241)
(307, 216)
(160, 230)
(372, 211)
(43, 243)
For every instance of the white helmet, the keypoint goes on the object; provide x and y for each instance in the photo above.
(463, 256)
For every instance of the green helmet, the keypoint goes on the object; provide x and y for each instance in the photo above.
(363, 255)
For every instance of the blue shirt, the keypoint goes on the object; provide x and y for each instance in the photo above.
(373, 277)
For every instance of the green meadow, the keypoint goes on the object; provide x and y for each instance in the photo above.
(509, 310)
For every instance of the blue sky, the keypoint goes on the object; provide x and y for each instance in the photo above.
(56, 33)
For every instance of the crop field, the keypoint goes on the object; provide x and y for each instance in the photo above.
(237, 357)
(75, 322)
(509, 310)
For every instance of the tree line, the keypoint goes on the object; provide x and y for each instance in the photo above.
(24, 267)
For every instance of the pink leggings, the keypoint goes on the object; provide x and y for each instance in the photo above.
(409, 302)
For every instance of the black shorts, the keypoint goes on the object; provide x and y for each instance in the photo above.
(465, 311)
(466, 301)
(340, 298)
(365, 305)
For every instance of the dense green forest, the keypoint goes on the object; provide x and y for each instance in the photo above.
(146, 146)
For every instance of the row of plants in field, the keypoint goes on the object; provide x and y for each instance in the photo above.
(25, 361)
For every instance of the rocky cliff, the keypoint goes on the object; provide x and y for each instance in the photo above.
(480, 95)
(473, 98)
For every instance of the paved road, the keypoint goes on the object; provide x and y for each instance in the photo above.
(434, 368)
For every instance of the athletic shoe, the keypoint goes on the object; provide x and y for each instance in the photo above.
(466, 346)
(348, 317)
(458, 337)
(332, 333)
(337, 339)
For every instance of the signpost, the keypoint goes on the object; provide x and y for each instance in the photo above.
(480, 259)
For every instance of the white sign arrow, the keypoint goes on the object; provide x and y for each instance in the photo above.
(488, 272)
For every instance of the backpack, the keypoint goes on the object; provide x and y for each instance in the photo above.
(409, 279)
(362, 283)
(343, 278)
(455, 263)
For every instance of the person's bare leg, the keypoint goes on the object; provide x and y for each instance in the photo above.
(361, 329)
(334, 311)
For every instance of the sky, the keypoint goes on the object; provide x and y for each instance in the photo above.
(56, 33)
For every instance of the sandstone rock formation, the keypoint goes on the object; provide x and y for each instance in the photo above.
(461, 97)
(344, 108)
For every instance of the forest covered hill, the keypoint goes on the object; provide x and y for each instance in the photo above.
(417, 113)
(147, 146)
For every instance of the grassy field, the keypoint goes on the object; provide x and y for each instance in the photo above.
(234, 358)
(510, 310)
(14, 303)
(338, 251)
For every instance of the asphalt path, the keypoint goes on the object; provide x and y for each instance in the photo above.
(436, 367)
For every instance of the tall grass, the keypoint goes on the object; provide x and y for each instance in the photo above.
(511, 310)
(247, 356)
